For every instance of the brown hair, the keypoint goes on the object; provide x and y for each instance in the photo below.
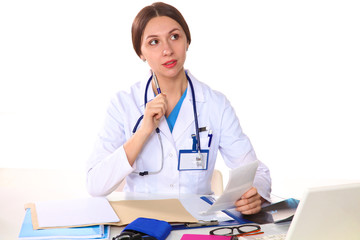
(157, 9)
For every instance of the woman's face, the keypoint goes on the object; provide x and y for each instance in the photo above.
(164, 46)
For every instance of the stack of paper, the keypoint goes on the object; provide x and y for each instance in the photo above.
(73, 215)
(68, 219)
(75, 212)
(91, 232)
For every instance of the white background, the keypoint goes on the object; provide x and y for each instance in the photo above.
(290, 69)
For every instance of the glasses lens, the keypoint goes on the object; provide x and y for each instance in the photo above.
(122, 237)
(222, 231)
(248, 228)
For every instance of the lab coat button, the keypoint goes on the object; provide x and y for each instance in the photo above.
(170, 155)
(171, 185)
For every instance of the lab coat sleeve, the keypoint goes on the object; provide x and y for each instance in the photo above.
(108, 164)
(236, 150)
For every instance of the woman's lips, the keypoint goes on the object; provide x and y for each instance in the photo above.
(170, 64)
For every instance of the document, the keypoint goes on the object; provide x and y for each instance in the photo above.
(195, 206)
(240, 181)
(75, 212)
(276, 213)
(169, 210)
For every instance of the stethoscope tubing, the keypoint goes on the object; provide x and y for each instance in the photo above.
(143, 173)
(195, 114)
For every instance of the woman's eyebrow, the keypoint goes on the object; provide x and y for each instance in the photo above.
(151, 36)
(173, 30)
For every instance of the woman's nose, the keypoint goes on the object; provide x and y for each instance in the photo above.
(167, 50)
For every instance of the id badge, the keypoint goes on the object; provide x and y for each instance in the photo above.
(188, 160)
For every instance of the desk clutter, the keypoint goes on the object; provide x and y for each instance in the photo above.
(91, 218)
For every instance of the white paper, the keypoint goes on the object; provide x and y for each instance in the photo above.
(196, 206)
(240, 181)
(61, 213)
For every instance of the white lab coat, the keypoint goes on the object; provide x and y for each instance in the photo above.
(108, 164)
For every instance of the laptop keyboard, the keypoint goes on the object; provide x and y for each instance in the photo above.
(273, 237)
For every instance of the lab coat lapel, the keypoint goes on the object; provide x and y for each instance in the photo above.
(140, 94)
(164, 129)
(185, 117)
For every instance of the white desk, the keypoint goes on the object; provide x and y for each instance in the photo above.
(21, 186)
(269, 229)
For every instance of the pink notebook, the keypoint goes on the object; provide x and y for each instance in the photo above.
(204, 237)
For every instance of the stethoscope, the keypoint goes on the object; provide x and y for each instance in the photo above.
(199, 157)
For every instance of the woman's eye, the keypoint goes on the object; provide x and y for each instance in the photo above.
(175, 37)
(153, 42)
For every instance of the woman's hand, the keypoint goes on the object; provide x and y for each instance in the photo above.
(154, 111)
(250, 202)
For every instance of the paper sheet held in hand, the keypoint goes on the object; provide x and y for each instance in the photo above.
(240, 181)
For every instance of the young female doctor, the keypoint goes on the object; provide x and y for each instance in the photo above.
(163, 136)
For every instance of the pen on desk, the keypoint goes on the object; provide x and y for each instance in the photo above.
(156, 83)
(210, 137)
(202, 223)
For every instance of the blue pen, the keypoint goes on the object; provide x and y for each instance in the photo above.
(210, 137)
(156, 83)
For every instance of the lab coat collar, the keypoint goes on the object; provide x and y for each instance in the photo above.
(150, 92)
(186, 114)
(199, 94)
(198, 88)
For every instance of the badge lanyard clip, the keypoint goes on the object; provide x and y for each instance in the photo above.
(194, 148)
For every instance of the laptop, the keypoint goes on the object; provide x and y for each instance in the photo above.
(326, 213)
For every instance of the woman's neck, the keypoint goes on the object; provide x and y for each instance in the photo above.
(172, 86)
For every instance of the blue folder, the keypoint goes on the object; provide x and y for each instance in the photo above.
(91, 232)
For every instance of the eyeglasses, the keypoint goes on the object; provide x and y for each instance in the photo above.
(126, 235)
(242, 230)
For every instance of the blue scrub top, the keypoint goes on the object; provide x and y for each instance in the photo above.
(175, 112)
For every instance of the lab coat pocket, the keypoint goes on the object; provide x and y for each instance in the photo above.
(189, 144)
(204, 143)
